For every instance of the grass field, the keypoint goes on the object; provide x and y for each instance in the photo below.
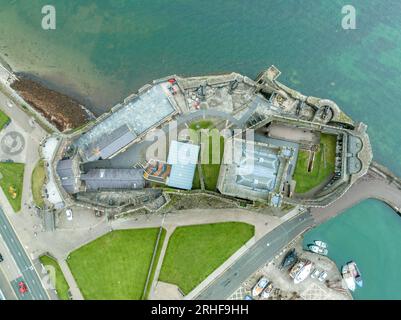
(37, 181)
(194, 252)
(202, 124)
(323, 166)
(4, 120)
(61, 284)
(210, 169)
(12, 178)
(196, 184)
(115, 266)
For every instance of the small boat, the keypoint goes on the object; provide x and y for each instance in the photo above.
(348, 277)
(267, 291)
(322, 276)
(259, 287)
(295, 269)
(315, 274)
(321, 244)
(289, 259)
(356, 273)
(304, 272)
(318, 250)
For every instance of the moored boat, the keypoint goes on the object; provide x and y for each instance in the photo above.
(318, 250)
(295, 269)
(289, 259)
(356, 273)
(321, 244)
(259, 287)
(267, 291)
(348, 277)
(304, 272)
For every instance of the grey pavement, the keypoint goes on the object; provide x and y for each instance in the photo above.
(259, 254)
(27, 270)
(6, 291)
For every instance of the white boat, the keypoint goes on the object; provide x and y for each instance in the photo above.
(259, 287)
(318, 250)
(323, 276)
(267, 291)
(348, 277)
(315, 273)
(295, 269)
(304, 272)
(321, 244)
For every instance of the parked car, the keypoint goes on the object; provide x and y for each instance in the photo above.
(22, 287)
(1, 258)
(68, 212)
(323, 276)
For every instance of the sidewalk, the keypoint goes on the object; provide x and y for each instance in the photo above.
(75, 292)
(169, 232)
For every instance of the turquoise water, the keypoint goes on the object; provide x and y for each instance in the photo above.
(104, 50)
(369, 234)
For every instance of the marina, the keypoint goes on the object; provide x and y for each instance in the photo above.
(376, 258)
(311, 277)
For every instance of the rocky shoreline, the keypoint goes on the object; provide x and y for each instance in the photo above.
(59, 109)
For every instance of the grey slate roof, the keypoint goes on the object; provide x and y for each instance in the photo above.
(110, 143)
(138, 115)
(98, 179)
(258, 169)
(65, 172)
(64, 168)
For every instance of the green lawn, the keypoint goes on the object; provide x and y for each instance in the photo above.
(4, 120)
(210, 169)
(194, 252)
(61, 284)
(37, 181)
(115, 266)
(202, 124)
(323, 166)
(196, 184)
(11, 181)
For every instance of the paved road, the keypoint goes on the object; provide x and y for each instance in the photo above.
(260, 253)
(28, 273)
